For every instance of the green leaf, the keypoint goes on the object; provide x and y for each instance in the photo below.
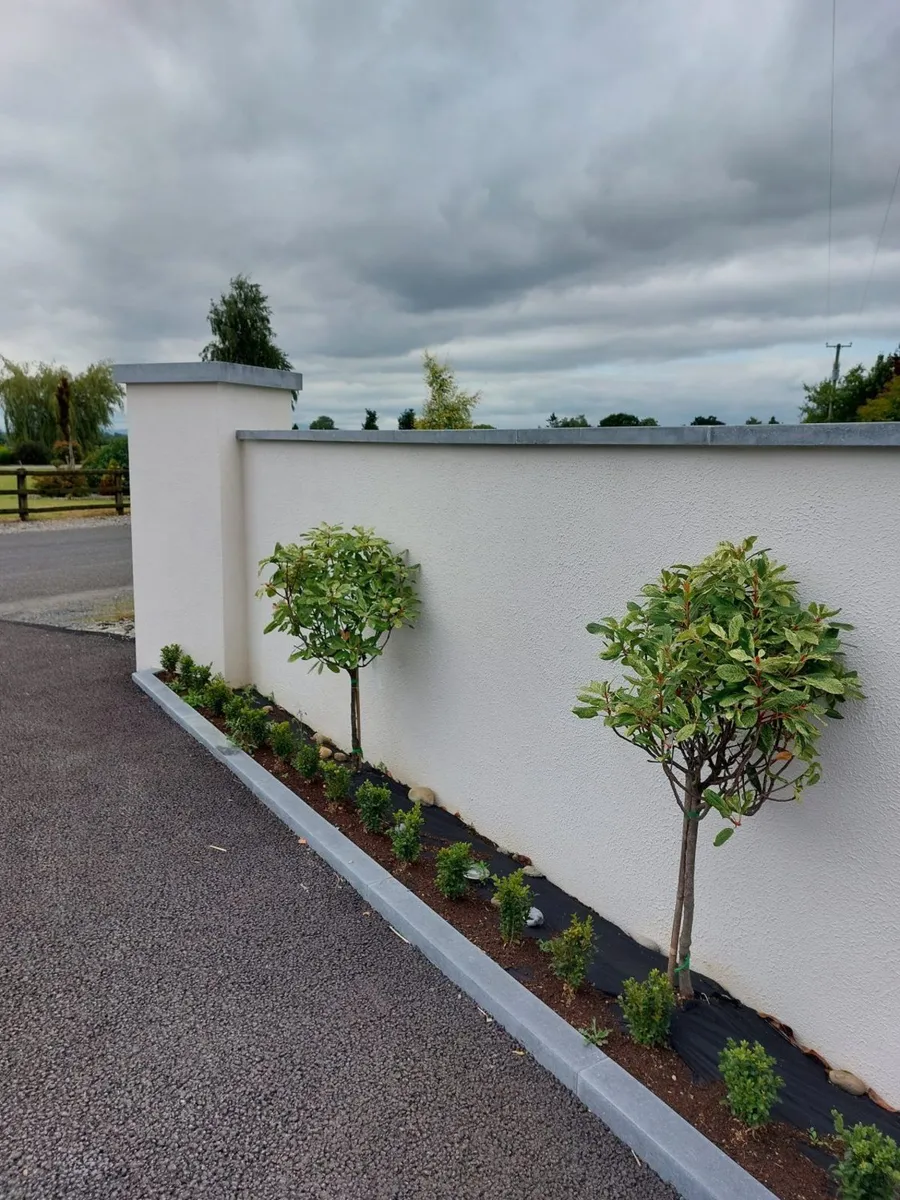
(685, 732)
(723, 835)
(718, 631)
(594, 627)
(825, 683)
(731, 674)
(585, 713)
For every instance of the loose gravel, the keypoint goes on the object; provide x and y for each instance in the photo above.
(193, 1005)
(68, 523)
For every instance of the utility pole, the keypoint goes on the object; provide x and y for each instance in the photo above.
(837, 347)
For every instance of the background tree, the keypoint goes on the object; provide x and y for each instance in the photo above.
(340, 593)
(241, 325)
(447, 406)
(728, 682)
(625, 419)
(885, 406)
(844, 400)
(322, 422)
(579, 422)
(484, 426)
(707, 421)
(407, 419)
(773, 421)
(29, 402)
(753, 421)
(371, 421)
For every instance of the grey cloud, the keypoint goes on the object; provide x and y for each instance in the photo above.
(543, 193)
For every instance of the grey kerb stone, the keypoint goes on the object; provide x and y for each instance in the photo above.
(677, 1152)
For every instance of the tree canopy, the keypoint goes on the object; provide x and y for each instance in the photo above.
(447, 406)
(579, 422)
(407, 419)
(28, 399)
(844, 400)
(707, 421)
(323, 422)
(624, 420)
(885, 406)
(371, 421)
(241, 325)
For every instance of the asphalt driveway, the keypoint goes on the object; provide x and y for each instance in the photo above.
(193, 1005)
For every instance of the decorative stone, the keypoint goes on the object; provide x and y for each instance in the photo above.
(267, 708)
(503, 850)
(535, 918)
(321, 739)
(479, 872)
(531, 870)
(325, 752)
(422, 795)
(495, 900)
(340, 756)
(847, 1081)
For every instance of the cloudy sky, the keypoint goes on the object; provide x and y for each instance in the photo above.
(588, 205)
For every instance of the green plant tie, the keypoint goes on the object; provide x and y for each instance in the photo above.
(684, 966)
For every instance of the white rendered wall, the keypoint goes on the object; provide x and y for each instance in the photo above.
(187, 507)
(799, 914)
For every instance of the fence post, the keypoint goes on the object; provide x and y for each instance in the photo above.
(120, 500)
(22, 493)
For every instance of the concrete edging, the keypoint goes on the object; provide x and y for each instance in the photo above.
(673, 1148)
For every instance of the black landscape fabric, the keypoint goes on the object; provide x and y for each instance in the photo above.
(701, 1027)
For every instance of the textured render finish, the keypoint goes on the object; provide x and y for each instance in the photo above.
(187, 515)
(519, 550)
(663, 1139)
(878, 433)
(207, 372)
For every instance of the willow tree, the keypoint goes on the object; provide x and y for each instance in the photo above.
(29, 398)
(340, 593)
(728, 680)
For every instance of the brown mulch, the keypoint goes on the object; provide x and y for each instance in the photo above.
(774, 1154)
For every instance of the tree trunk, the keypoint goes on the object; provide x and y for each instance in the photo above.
(685, 987)
(355, 719)
(679, 907)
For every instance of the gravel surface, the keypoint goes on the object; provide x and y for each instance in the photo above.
(193, 1005)
(54, 526)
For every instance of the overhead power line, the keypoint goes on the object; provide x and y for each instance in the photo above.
(831, 164)
(887, 213)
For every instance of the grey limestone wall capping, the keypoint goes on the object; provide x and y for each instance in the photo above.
(835, 436)
(208, 372)
(676, 1151)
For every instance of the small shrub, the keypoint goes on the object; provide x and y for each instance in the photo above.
(307, 760)
(594, 1035)
(31, 453)
(514, 901)
(196, 698)
(870, 1166)
(647, 1008)
(247, 726)
(452, 864)
(216, 695)
(169, 657)
(571, 952)
(62, 484)
(337, 780)
(100, 460)
(7, 458)
(202, 676)
(283, 740)
(373, 801)
(186, 669)
(751, 1081)
(406, 834)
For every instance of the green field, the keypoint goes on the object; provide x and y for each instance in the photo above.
(101, 506)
